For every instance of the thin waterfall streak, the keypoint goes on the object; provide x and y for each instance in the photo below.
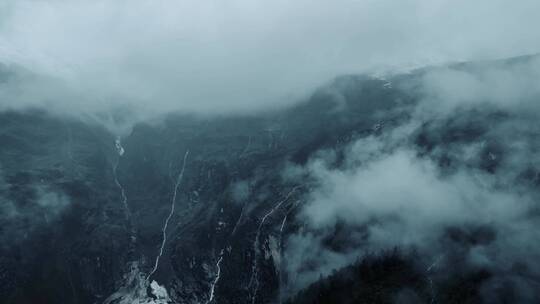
(254, 271)
(434, 264)
(239, 219)
(122, 192)
(212, 289)
(216, 280)
(282, 224)
(127, 212)
(166, 224)
(431, 284)
(293, 205)
(276, 207)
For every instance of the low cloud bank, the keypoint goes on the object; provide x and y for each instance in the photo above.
(142, 58)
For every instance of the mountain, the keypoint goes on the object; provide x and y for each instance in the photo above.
(202, 210)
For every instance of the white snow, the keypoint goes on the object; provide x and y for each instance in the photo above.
(159, 291)
(133, 290)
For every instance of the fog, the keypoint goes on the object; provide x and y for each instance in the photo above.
(506, 86)
(147, 58)
(457, 181)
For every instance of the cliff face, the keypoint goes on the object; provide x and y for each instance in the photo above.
(195, 210)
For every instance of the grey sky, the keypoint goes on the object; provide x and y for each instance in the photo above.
(236, 56)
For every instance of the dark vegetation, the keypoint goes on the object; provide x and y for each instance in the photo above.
(392, 277)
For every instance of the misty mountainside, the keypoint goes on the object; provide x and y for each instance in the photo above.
(363, 193)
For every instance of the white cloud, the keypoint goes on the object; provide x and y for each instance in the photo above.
(236, 56)
(508, 86)
(386, 195)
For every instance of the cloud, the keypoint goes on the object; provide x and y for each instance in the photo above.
(215, 57)
(508, 86)
(240, 191)
(466, 192)
(27, 208)
(52, 202)
(411, 188)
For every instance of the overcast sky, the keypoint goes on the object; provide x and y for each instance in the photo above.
(216, 56)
